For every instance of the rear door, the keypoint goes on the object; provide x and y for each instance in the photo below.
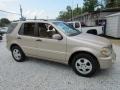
(27, 38)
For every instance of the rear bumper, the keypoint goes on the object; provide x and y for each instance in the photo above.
(107, 62)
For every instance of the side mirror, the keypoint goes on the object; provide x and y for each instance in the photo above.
(57, 37)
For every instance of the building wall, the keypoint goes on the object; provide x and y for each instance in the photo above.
(119, 27)
(112, 26)
(90, 18)
(102, 15)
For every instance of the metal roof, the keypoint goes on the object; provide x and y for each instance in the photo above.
(116, 14)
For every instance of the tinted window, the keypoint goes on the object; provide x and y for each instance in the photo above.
(77, 25)
(83, 24)
(11, 27)
(46, 30)
(71, 24)
(29, 29)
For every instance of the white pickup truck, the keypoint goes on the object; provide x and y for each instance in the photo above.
(96, 30)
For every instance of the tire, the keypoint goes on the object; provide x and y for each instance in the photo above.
(18, 54)
(85, 64)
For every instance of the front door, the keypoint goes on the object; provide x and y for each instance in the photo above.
(48, 47)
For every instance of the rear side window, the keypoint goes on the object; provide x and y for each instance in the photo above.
(11, 27)
(27, 29)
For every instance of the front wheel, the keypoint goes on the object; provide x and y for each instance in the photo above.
(18, 54)
(85, 65)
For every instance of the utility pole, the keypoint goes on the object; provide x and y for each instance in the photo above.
(72, 9)
(77, 8)
(21, 13)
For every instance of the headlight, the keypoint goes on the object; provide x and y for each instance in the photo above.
(106, 51)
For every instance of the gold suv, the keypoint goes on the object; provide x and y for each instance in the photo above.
(58, 41)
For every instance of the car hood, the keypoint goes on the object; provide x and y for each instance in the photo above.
(92, 39)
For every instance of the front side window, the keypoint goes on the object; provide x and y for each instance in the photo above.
(46, 30)
(67, 29)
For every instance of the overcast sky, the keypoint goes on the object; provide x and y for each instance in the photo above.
(41, 8)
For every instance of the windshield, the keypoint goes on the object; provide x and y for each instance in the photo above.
(67, 29)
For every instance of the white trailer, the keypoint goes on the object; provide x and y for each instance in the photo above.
(113, 25)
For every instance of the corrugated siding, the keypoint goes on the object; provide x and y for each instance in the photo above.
(112, 26)
(119, 27)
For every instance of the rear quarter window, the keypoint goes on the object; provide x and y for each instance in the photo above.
(11, 27)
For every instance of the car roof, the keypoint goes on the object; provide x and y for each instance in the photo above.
(34, 21)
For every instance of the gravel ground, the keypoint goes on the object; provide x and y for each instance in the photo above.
(115, 41)
(36, 74)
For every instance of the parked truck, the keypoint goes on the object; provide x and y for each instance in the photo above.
(96, 30)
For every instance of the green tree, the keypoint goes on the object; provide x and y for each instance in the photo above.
(4, 22)
(1, 25)
(90, 5)
(112, 3)
(69, 12)
(65, 15)
(117, 3)
(77, 11)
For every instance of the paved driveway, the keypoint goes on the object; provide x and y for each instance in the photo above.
(36, 74)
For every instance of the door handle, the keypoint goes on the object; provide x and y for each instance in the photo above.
(39, 40)
(19, 38)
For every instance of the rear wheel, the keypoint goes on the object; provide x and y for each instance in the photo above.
(17, 54)
(85, 65)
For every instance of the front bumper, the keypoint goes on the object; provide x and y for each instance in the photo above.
(108, 61)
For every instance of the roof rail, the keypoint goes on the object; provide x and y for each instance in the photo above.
(37, 19)
(16, 20)
(30, 19)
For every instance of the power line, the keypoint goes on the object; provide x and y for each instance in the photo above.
(9, 12)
